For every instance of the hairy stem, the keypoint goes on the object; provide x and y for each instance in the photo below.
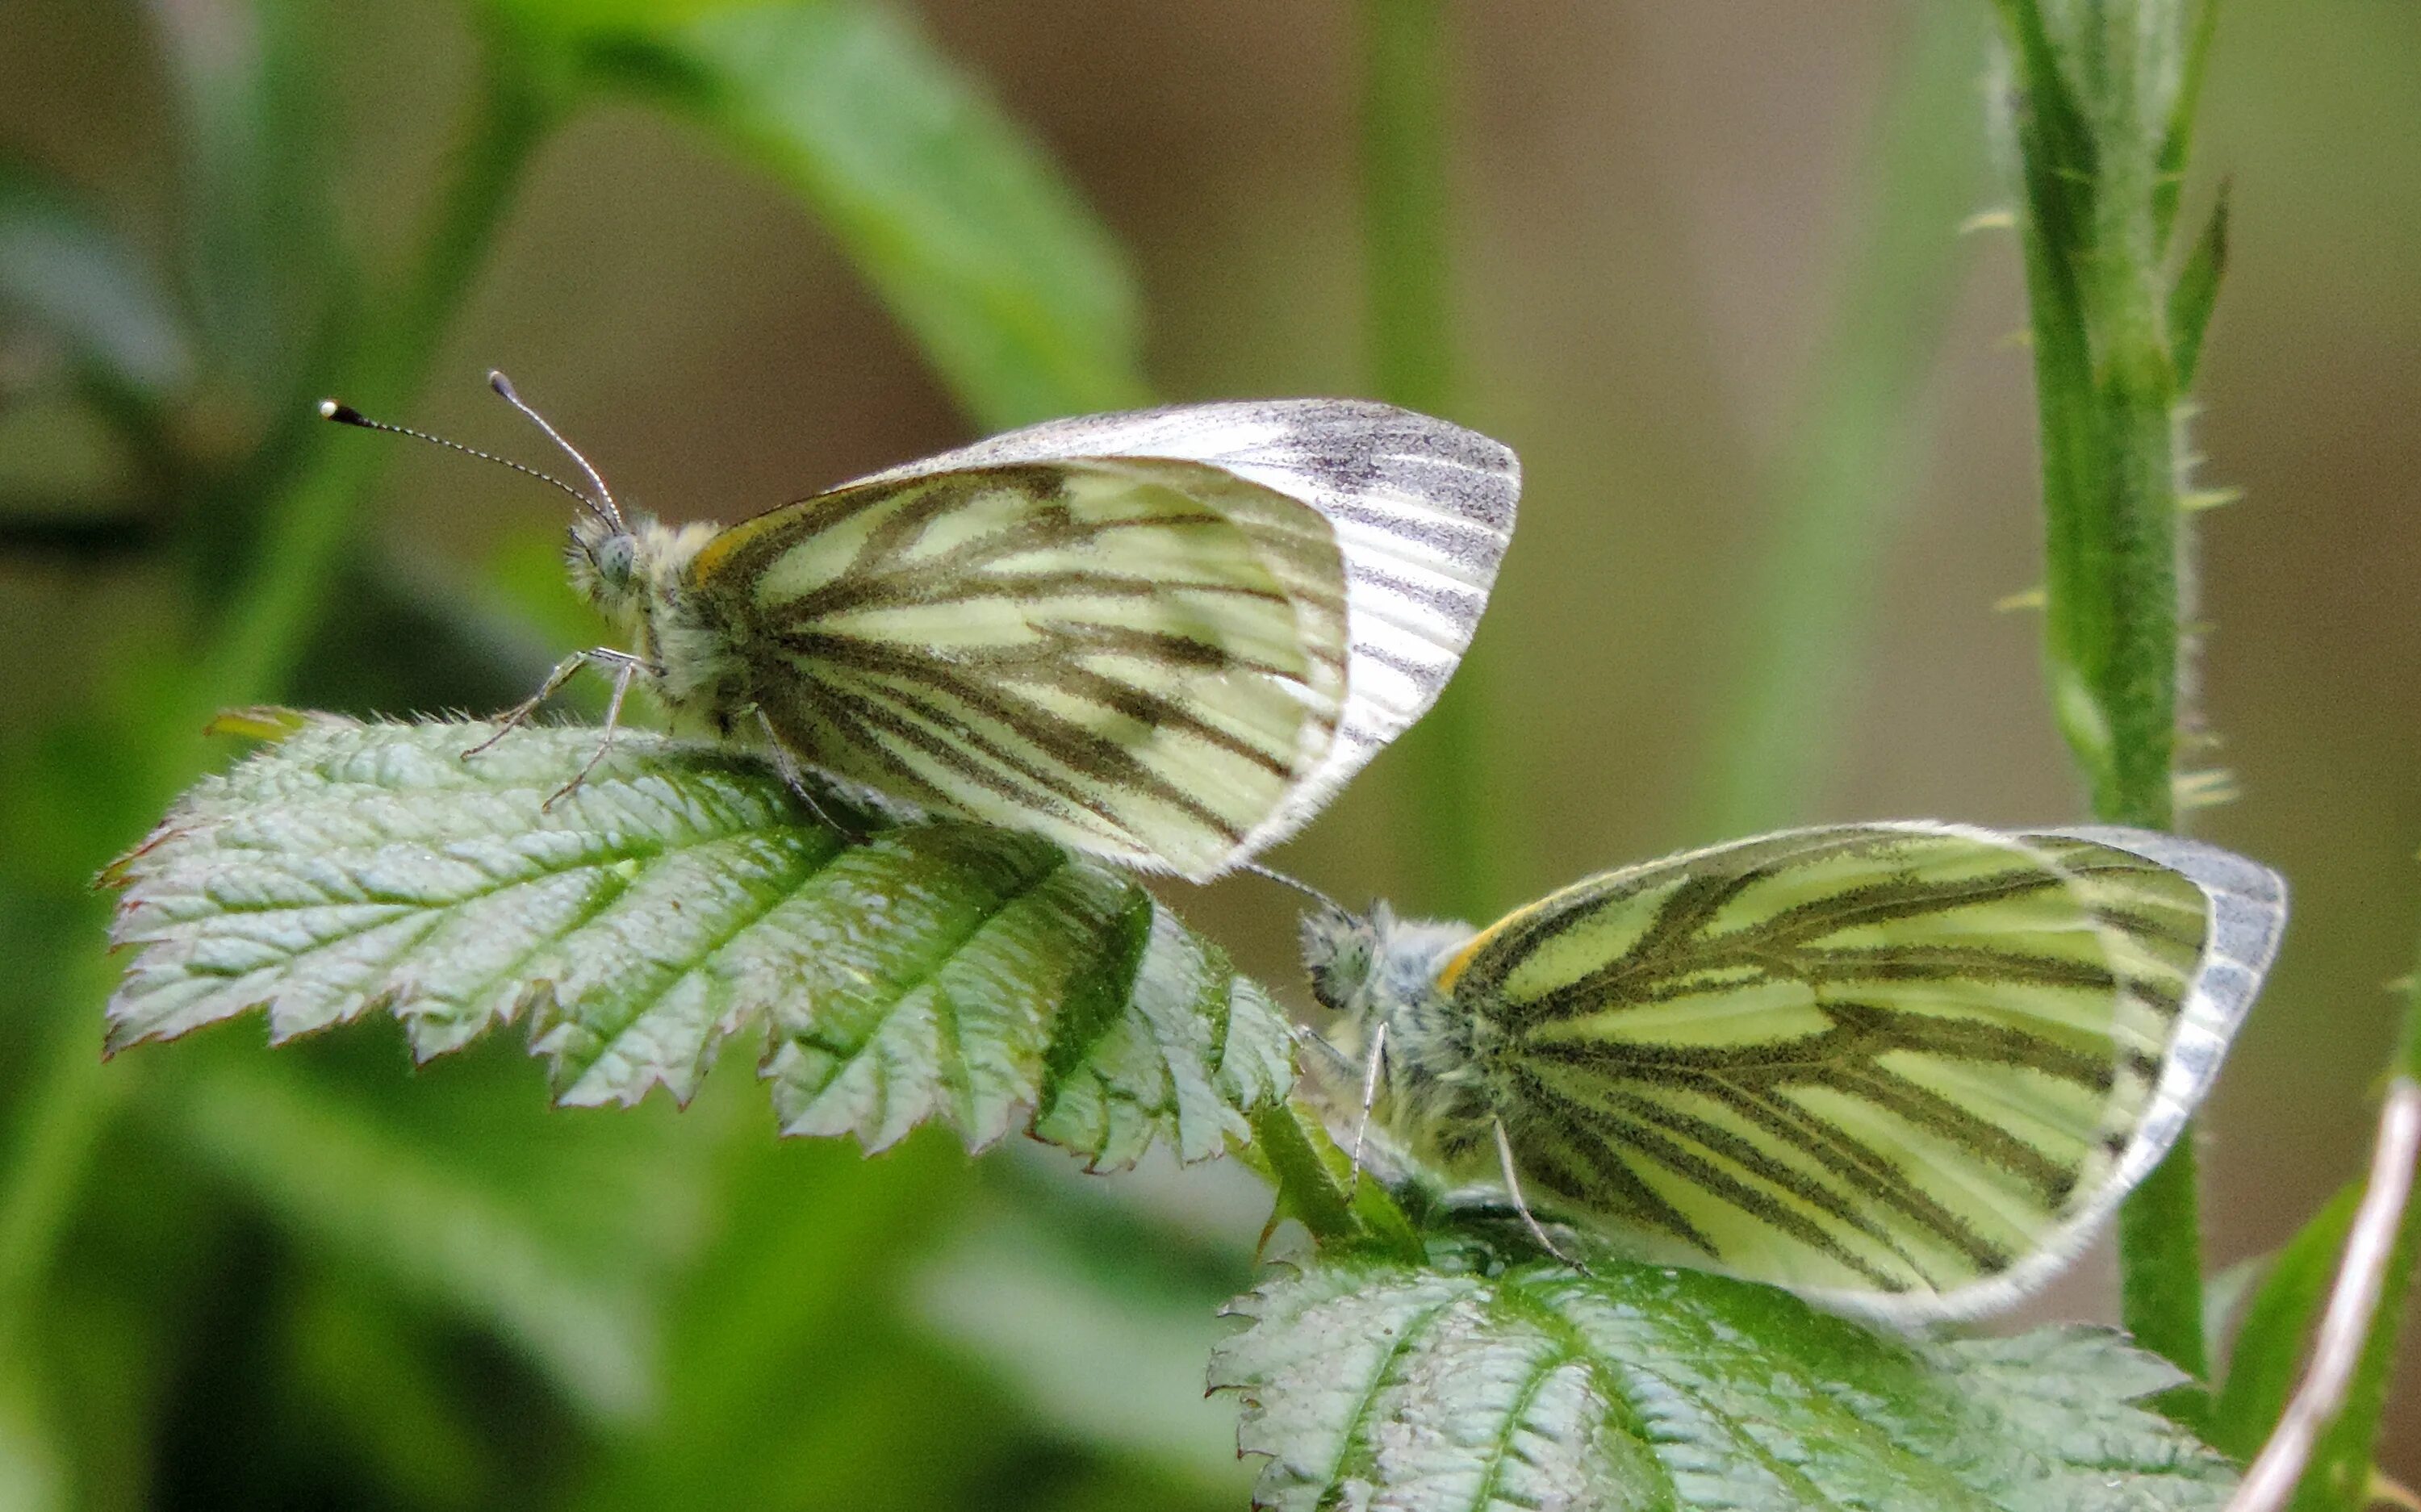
(2099, 109)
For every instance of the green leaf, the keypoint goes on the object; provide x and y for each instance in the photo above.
(1316, 1187)
(65, 272)
(2343, 1469)
(680, 897)
(2196, 291)
(2261, 1368)
(1472, 1387)
(2202, 23)
(962, 224)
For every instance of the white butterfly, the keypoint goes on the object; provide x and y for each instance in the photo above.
(1166, 636)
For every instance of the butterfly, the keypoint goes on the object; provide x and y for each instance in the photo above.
(1904, 1068)
(1165, 637)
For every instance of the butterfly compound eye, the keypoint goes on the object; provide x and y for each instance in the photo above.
(614, 556)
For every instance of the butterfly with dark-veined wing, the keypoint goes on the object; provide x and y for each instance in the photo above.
(1165, 637)
(1904, 1068)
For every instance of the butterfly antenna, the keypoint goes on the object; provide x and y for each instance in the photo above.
(345, 414)
(604, 503)
(1284, 881)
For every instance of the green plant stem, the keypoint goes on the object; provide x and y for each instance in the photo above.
(1405, 77)
(2102, 125)
(1851, 457)
(2124, 638)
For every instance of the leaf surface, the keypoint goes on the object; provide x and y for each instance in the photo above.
(1421, 1389)
(682, 897)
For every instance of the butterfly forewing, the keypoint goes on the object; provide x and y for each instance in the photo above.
(1901, 1065)
(1422, 510)
(1138, 657)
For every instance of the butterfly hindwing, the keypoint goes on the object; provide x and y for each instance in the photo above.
(1138, 657)
(1903, 1066)
(1422, 511)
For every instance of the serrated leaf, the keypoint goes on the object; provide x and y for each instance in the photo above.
(1421, 1389)
(964, 226)
(681, 897)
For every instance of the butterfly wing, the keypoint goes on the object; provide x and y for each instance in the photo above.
(1421, 509)
(1141, 658)
(1904, 1066)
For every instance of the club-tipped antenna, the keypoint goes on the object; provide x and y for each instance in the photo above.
(345, 414)
(1284, 881)
(604, 503)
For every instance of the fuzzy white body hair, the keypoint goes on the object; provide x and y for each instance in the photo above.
(1437, 1098)
(639, 580)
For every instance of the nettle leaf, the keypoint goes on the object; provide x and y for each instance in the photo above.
(1375, 1386)
(680, 897)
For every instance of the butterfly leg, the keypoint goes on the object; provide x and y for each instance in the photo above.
(626, 667)
(513, 718)
(1513, 1186)
(786, 764)
(1370, 1099)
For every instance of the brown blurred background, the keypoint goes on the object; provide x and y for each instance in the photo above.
(1657, 210)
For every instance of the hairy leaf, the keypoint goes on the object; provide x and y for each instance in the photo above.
(681, 896)
(1466, 1386)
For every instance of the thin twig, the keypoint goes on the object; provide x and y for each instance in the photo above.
(2346, 1328)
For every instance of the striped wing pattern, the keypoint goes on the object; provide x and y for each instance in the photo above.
(1422, 510)
(1906, 1066)
(1140, 658)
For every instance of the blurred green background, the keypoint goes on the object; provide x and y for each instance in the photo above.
(1708, 276)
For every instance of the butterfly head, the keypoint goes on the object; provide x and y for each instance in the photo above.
(1339, 950)
(603, 559)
